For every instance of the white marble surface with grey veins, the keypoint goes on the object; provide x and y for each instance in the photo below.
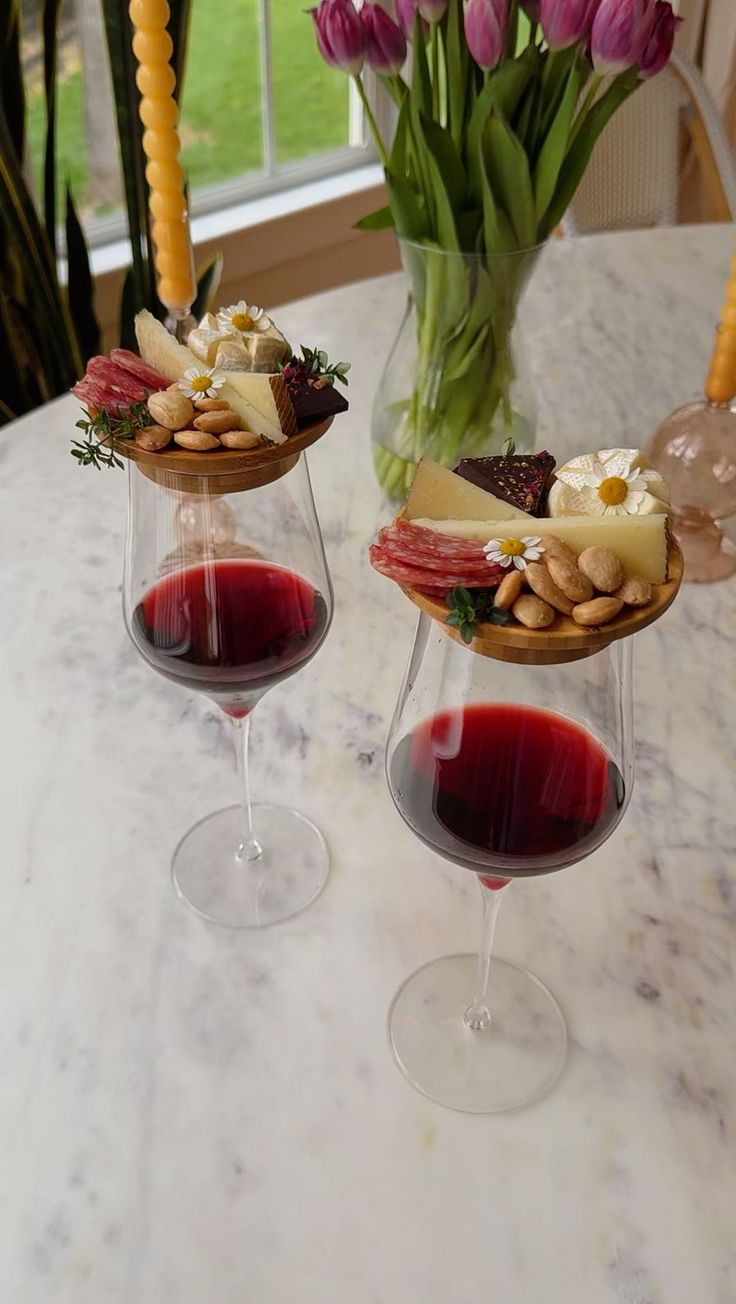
(209, 1117)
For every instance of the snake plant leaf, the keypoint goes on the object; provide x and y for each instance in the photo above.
(49, 28)
(60, 355)
(80, 288)
(179, 22)
(119, 33)
(555, 145)
(12, 90)
(208, 282)
(581, 148)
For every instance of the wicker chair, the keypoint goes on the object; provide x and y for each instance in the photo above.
(634, 176)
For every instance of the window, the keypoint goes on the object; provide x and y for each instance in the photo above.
(260, 110)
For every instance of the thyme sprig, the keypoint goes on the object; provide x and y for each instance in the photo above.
(316, 361)
(102, 426)
(470, 608)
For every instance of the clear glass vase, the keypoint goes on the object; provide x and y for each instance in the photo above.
(456, 383)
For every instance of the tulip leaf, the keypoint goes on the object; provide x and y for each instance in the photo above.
(441, 146)
(555, 146)
(457, 59)
(578, 155)
(407, 208)
(507, 170)
(503, 91)
(380, 220)
(499, 238)
(421, 82)
(80, 288)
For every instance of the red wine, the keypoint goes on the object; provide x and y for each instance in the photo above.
(230, 628)
(509, 788)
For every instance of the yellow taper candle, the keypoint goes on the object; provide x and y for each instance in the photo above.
(156, 81)
(720, 386)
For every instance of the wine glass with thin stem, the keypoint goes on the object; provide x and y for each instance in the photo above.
(228, 594)
(509, 771)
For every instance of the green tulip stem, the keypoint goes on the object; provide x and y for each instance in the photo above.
(371, 121)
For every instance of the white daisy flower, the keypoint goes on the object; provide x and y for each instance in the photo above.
(516, 552)
(201, 382)
(245, 318)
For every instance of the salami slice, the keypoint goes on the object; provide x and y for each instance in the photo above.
(415, 556)
(148, 376)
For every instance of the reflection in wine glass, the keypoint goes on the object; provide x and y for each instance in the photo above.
(510, 771)
(228, 594)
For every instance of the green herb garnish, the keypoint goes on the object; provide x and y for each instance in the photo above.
(470, 608)
(316, 361)
(508, 447)
(104, 426)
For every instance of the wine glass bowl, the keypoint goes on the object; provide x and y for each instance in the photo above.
(228, 594)
(510, 771)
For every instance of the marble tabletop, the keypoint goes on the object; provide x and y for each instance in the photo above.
(191, 1115)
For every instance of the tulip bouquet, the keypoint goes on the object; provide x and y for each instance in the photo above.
(499, 104)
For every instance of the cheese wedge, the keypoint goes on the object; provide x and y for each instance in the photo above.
(440, 494)
(268, 394)
(640, 542)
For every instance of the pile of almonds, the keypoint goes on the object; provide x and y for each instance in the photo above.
(591, 588)
(200, 426)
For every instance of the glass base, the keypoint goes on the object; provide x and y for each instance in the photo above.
(512, 1062)
(708, 554)
(289, 873)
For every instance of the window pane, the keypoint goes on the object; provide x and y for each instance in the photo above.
(311, 100)
(221, 128)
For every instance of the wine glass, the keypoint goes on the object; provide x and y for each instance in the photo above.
(227, 594)
(510, 771)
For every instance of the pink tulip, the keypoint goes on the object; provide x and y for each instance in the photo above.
(340, 35)
(661, 40)
(620, 35)
(385, 43)
(406, 11)
(565, 22)
(432, 10)
(485, 30)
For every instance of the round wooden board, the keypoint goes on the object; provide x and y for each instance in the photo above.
(236, 468)
(564, 640)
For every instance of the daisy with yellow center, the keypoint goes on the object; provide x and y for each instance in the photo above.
(513, 552)
(201, 382)
(612, 482)
(244, 318)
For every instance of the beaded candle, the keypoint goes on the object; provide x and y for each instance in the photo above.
(156, 81)
(720, 386)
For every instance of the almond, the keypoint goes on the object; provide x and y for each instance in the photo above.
(218, 422)
(569, 579)
(596, 612)
(170, 408)
(541, 582)
(197, 441)
(152, 438)
(635, 591)
(212, 405)
(240, 439)
(551, 546)
(603, 569)
(532, 612)
(509, 589)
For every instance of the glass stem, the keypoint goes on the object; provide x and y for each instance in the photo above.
(478, 1016)
(249, 848)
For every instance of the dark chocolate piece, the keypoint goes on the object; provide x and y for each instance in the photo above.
(519, 479)
(313, 398)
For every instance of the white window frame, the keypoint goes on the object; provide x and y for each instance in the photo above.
(272, 177)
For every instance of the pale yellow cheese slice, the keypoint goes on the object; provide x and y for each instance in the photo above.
(640, 542)
(442, 495)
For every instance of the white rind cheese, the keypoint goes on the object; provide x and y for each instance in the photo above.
(441, 494)
(640, 542)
